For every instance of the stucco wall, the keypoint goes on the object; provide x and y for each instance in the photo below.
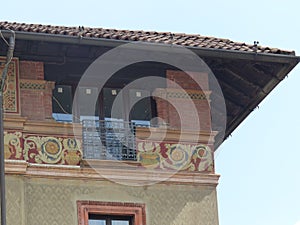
(40, 201)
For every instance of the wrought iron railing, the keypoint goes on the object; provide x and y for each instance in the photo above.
(108, 139)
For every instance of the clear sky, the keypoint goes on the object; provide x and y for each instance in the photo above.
(260, 163)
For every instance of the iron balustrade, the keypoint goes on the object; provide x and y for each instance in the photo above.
(108, 140)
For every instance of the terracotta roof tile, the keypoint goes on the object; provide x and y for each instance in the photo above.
(189, 40)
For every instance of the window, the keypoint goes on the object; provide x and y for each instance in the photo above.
(136, 105)
(62, 103)
(110, 213)
(142, 110)
(95, 219)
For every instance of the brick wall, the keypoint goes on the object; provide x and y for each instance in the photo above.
(31, 70)
(185, 107)
(187, 81)
(35, 92)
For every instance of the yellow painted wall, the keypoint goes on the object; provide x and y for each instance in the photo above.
(41, 201)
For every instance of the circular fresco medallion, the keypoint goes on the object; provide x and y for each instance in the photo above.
(52, 147)
(177, 154)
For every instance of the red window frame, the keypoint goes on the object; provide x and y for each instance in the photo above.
(136, 210)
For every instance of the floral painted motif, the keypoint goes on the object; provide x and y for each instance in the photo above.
(52, 150)
(175, 156)
(13, 145)
(148, 154)
(42, 149)
(72, 151)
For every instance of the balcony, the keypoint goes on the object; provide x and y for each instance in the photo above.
(146, 147)
(108, 142)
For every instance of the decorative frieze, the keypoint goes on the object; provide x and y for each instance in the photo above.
(68, 151)
(11, 98)
(42, 149)
(175, 156)
(52, 150)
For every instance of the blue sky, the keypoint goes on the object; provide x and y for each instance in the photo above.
(259, 163)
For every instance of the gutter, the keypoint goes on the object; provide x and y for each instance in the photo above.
(204, 52)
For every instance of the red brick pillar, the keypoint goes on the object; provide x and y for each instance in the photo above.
(35, 92)
(184, 102)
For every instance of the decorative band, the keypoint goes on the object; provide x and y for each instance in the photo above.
(186, 95)
(183, 94)
(32, 85)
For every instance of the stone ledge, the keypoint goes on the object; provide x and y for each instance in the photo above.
(124, 174)
(50, 127)
(184, 135)
(15, 166)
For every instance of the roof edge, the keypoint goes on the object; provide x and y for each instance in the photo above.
(205, 52)
(282, 74)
